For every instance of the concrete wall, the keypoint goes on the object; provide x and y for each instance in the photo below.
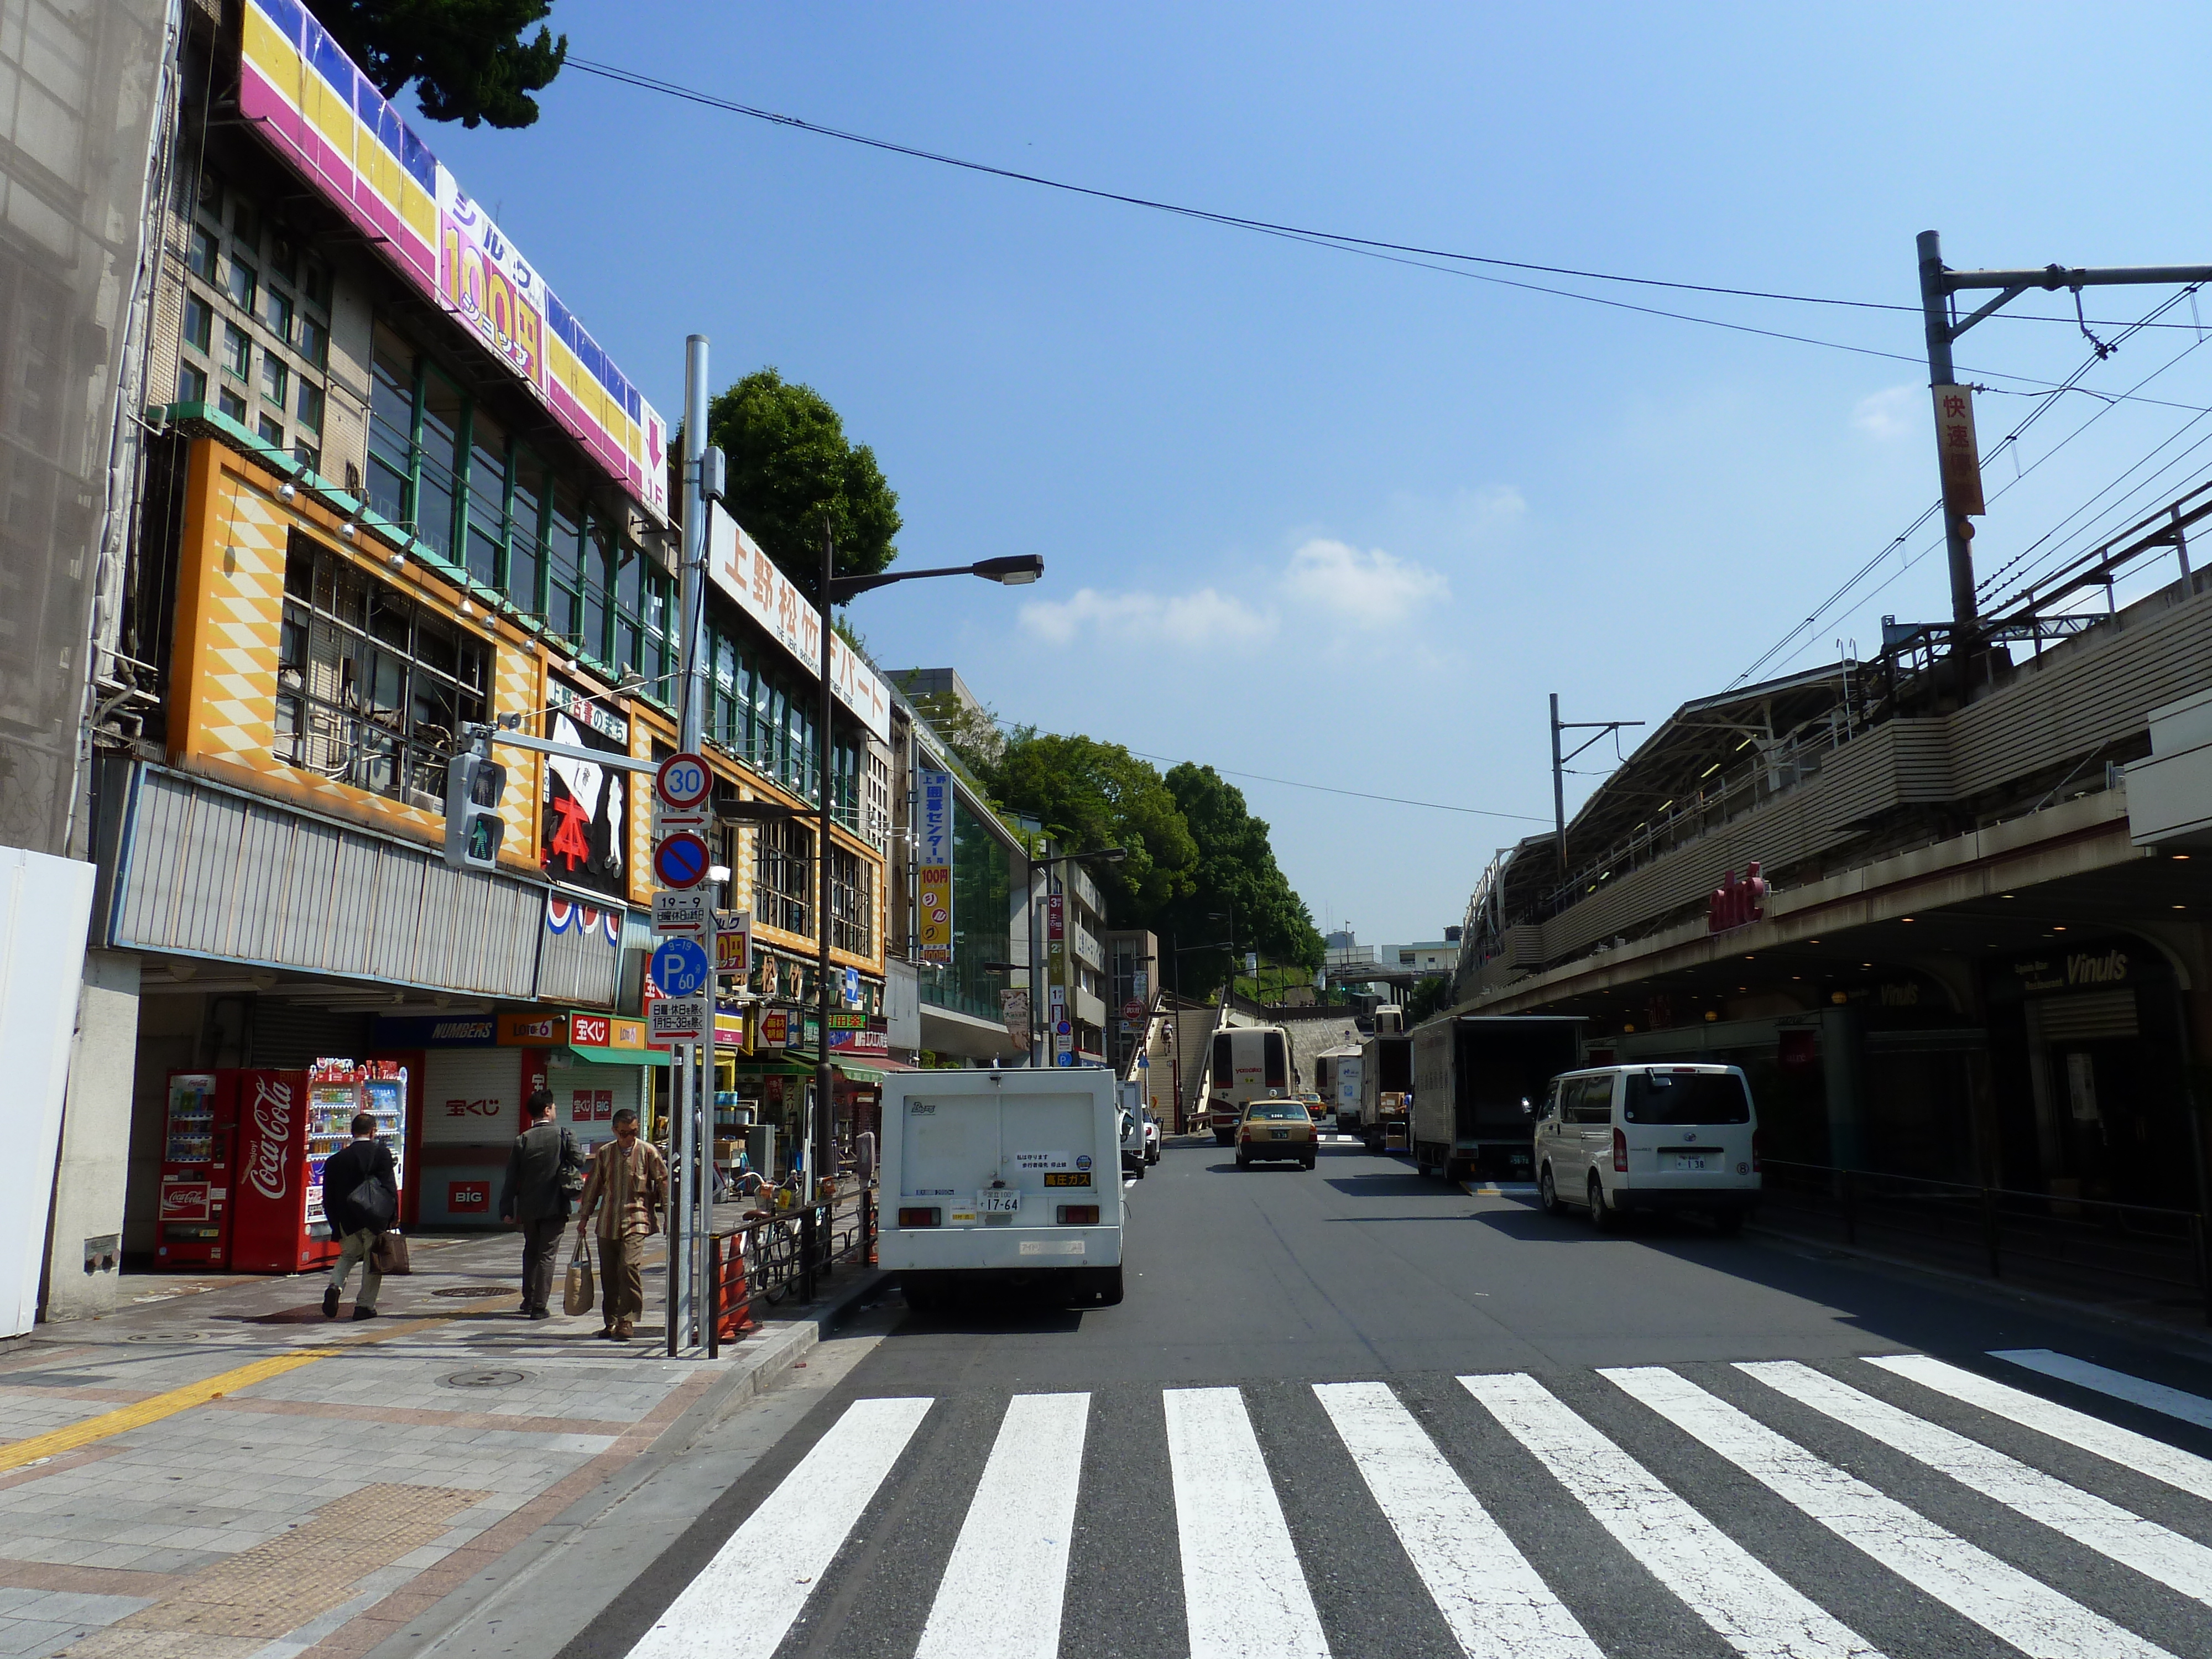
(85, 1234)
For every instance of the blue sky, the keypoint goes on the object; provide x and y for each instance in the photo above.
(1338, 520)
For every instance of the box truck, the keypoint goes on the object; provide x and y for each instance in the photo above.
(1386, 1089)
(1002, 1181)
(1479, 1081)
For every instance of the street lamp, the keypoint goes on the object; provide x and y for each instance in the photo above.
(1104, 855)
(1018, 570)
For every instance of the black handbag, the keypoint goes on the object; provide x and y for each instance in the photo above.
(571, 1178)
(374, 1201)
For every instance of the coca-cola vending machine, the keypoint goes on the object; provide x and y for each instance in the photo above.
(288, 1123)
(194, 1228)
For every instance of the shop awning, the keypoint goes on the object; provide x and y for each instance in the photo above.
(619, 1056)
(773, 1068)
(859, 1074)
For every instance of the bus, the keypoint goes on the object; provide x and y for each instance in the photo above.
(1250, 1062)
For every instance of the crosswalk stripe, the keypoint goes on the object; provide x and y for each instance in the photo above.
(2179, 1562)
(2139, 1452)
(1244, 1594)
(744, 1601)
(1754, 1610)
(2174, 1402)
(1003, 1589)
(2003, 1601)
(1492, 1598)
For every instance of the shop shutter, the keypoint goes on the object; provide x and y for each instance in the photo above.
(472, 1097)
(288, 1035)
(2093, 1014)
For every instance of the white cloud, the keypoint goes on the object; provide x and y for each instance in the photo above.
(1207, 616)
(1370, 589)
(1889, 414)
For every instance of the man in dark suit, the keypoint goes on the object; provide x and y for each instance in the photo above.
(361, 1197)
(535, 1198)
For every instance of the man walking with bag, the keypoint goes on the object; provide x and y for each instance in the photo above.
(540, 1171)
(361, 1198)
(625, 1192)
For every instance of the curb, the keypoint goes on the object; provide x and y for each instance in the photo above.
(754, 1369)
(2184, 1337)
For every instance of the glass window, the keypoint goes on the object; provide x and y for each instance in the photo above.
(599, 587)
(487, 499)
(199, 322)
(245, 224)
(310, 410)
(307, 456)
(315, 342)
(276, 312)
(231, 403)
(237, 351)
(630, 606)
(284, 258)
(1682, 1097)
(437, 463)
(783, 875)
(272, 430)
(524, 530)
(317, 285)
(200, 254)
(191, 384)
(391, 427)
(243, 284)
(851, 902)
(722, 716)
(275, 378)
(565, 564)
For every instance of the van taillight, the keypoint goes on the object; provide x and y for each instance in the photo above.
(1620, 1151)
(918, 1218)
(1754, 1151)
(1079, 1215)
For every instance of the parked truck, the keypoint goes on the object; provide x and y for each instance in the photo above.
(1386, 1090)
(1336, 1076)
(1002, 1181)
(1477, 1082)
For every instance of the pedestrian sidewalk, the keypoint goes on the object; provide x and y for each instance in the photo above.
(223, 1473)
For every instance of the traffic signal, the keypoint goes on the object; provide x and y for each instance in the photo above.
(474, 784)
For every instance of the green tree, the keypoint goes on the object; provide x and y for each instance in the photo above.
(467, 58)
(1430, 997)
(789, 467)
(1089, 793)
(1235, 874)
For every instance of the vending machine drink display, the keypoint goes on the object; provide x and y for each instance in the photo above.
(194, 1226)
(288, 1123)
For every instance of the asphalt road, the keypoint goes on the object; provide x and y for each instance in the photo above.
(1352, 1412)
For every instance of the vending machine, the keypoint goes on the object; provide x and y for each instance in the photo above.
(288, 1122)
(194, 1229)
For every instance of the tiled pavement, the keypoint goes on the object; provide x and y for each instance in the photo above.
(313, 1510)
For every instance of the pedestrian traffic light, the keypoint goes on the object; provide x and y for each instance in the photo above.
(474, 783)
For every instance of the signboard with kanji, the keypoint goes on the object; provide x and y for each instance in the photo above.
(933, 862)
(1955, 445)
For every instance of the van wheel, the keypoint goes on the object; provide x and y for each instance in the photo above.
(1548, 1196)
(1602, 1216)
(921, 1299)
(1728, 1223)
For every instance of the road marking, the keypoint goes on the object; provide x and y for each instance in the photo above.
(2139, 1452)
(1498, 1188)
(2174, 1402)
(124, 1418)
(2179, 1562)
(745, 1601)
(1755, 1612)
(2003, 1601)
(1244, 1594)
(1493, 1600)
(1002, 1590)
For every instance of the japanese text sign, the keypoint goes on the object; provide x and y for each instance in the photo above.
(934, 866)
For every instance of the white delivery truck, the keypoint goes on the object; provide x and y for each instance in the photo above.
(1002, 1180)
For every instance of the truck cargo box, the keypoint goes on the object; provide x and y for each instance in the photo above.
(1477, 1078)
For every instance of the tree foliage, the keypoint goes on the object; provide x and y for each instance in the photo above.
(1430, 997)
(467, 58)
(1236, 877)
(1091, 794)
(790, 466)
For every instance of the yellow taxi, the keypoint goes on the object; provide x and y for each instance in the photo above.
(1277, 1130)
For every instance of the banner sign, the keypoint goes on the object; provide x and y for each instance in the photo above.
(1014, 1010)
(1955, 445)
(329, 121)
(738, 566)
(934, 864)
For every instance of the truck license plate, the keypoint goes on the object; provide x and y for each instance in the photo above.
(999, 1200)
(1692, 1161)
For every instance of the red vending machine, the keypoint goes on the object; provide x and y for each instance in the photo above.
(194, 1223)
(288, 1123)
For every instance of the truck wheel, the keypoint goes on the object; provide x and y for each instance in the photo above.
(1109, 1288)
(1604, 1218)
(921, 1299)
(1548, 1196)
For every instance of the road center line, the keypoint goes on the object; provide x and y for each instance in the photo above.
(2000, 1598)
(1003, 1590)
(1753, 1609)
(1497, 1605)
(744, 1603)
(1244, 1594)
(2140, 1391)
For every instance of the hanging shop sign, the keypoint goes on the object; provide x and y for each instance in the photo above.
(310, 102)
(934, 865)
(436, 1031)
(733, 942)
(1014, 1010)
(1736, 903)
(1954, 444)
(737, 565)
(585, 822)
(526, 1031)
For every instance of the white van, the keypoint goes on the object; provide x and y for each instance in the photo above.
(1657, 1137)
(1002, 1180)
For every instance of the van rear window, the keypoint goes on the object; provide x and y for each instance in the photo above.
(1661, 1097)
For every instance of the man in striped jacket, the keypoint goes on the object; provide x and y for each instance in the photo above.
(624, 1195)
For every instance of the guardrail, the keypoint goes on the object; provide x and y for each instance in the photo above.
(2086, 1241)
(785, 1254)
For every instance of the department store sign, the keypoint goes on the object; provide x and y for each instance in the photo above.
(741, 570)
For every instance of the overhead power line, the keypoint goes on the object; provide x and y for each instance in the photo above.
(1356, 794)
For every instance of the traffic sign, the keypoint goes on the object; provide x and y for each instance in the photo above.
(681, 861)
(1063, 1028)
(680, 967)
(852, 985)
(679, 1020)
(1132, 1009)
(684, 780)
(681, 913)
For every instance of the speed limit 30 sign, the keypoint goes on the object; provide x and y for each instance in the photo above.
(684, 780)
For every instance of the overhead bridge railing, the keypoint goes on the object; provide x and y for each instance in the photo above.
(2060, 1241)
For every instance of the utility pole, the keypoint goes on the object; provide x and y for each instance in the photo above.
(1938, 285)
(1597, 729)
(824, 1153)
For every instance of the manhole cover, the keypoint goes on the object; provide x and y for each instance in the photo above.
(476, 1290)
(485, 1379)
(164, 1336)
